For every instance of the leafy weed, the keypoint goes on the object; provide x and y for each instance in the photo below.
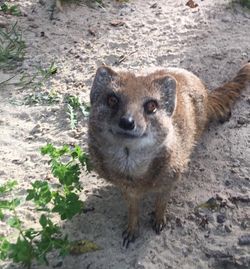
(10, 9)
(38, 79)
(34, 244)
(12, 47)
(74, 105)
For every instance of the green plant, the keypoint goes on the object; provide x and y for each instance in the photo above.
(41, 98)
(38, 98)
(34, 244)
(34, 81)
(38, 79)
(7, 204)
(12, 46)
(74, 104)
(100, 2)
(245, 3)
(10, 9)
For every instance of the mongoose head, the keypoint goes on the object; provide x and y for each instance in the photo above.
(132, 110)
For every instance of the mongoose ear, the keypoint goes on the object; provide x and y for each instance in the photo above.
(103, 77)
(167, 86)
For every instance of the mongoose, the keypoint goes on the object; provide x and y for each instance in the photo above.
(142, 130)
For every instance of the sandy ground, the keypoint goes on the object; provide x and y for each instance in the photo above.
(212, 41)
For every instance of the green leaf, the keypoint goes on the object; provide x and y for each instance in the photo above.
(62, 244)
(48, 149)
(76, 152)
(53, 152)
(67, 174)
(10, 9)
(15, 203)
(85, 162)
(68, 206)
(1, 215)
(4, 248)
(14, 222)
(40, 193)
(10, 205)
(31, 233)
(85, 109)
(61, 151)
(4, 7)
(22, 251)
(8, 186)
(48, 235)
(43, 220)
(72, 116)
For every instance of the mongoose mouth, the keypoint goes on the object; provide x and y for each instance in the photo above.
(126, 135)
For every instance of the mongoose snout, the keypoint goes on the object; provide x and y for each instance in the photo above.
(127, 123)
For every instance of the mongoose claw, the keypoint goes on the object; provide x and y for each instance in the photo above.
(129, 236)
(158, 225)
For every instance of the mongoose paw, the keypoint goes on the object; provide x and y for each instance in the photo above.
(158, 224)
(226, 117)
(129, 236)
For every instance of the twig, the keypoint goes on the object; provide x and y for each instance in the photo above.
(4, 81)
(124, 57)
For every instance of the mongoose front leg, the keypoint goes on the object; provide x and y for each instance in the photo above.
(159, 218)
(132, 231)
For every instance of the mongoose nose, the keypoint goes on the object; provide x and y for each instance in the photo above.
(127, 123)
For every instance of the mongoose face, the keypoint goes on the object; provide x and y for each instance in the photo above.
(131, 111)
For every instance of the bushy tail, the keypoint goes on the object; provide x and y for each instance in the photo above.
(220, 100)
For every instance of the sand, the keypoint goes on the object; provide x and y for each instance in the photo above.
(213, 41)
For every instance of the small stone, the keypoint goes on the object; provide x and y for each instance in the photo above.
(242, 121)
(30, 137)
(244, 224)
(116, 23)
(139, 266)
(23, 12)
(34, 26)
(3, 24)
(42, 2)
(3, 121)
(112, 59)
(153, 5)
(228, 229)
(36, 129)
(185, 252)
(244, 240)
(31, 18)
(191, 217)
(16, 161)
(59, 264)
(92, 32)
(207, 234)
(221, 218)
(178, 222)
(226, 19)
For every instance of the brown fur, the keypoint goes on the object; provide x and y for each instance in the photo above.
(157, 150)
(221, 99)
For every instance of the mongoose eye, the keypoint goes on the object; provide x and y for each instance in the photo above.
(151, 106)
(112, 101)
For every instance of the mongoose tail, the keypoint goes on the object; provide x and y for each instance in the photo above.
(221, 99)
